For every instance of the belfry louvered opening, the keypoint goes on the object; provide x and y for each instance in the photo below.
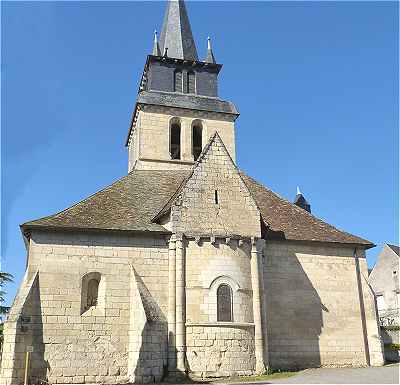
(178, 83)
(191, 82)
(175, 139)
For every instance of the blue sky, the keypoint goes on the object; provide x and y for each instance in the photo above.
(316, 84)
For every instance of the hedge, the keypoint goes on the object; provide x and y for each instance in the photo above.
(392, 346)
(391, 327)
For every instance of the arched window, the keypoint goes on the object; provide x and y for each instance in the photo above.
(92, 293)
(175, 139)
(191, 83)
(178, 81)
(197, 139)
(224, 303)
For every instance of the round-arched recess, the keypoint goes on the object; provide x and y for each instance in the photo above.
(197, 138)
(175, 138)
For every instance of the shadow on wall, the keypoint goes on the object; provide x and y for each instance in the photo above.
(30, 333)
(295, 318)
(152, 360)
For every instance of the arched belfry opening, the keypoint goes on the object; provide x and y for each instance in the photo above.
(178, 81)
(191, 83)
(197, 138)
(175, 138)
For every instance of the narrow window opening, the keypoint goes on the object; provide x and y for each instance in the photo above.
(197, 139)
(216, 196)
(92, 293)
(178, 81)
(224, 303)
(175, 140)
(191, 83)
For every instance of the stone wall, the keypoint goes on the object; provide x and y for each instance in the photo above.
(220, 350)
(209, 265)
(93, 346)
(23, 328)
(313, 307)
(150, 138)
(215, 348)
(215, 200)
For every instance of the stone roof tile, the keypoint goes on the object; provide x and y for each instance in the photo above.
(133, 201)
(128, 204)
(285, 220)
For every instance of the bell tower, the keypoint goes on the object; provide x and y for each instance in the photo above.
(177, 108)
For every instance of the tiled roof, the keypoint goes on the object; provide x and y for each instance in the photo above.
(285, 220)
(198, 102)
(395, 249)
(130, 203)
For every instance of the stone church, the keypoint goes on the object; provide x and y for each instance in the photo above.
(186, 264)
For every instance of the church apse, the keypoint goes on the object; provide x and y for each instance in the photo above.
(220, 327)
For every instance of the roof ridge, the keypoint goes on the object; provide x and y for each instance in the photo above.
(212, 139)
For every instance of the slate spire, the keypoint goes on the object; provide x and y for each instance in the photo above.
(176, 34)
(301, 201)
(156, 47)
(210, 55)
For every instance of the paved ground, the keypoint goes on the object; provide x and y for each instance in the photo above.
(380, 375)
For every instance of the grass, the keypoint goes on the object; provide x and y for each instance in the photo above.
(264, 377)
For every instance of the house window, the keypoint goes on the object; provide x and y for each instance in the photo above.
(178, 86)
(191, 82)
(197, 139)
(380, 302)
(175, 139)
(224, 303)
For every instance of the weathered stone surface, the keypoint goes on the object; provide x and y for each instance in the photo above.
(314, 315)
(152, 127)
(214, 200)
(214, 350)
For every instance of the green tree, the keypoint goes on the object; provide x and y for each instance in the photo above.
(4, 277)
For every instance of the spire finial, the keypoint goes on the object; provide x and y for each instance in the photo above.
(156, 47)
(210, 55)
(176, 34)
(298, 191)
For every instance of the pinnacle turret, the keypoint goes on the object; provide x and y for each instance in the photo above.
(301, 201)
(210, 55)
(156, 47)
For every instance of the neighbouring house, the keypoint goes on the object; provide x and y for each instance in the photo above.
(187, 264)
(384, 281)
